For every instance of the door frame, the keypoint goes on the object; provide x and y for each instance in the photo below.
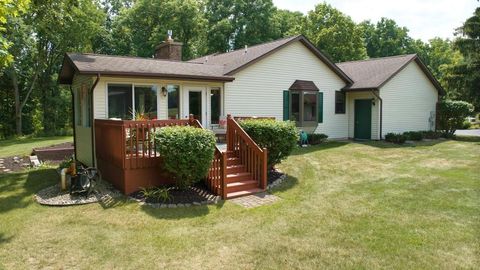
(355, 119)
(186, 101)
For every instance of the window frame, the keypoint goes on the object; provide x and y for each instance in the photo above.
(343, 109)
(179, 99)
(209, 104)
(302, 122)
(153, 85)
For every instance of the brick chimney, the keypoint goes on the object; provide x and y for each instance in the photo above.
(169, 50)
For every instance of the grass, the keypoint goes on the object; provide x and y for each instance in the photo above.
(344, 205)
(23, 146)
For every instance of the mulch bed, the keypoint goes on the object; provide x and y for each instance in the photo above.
(196, 195)
(273, 175)
(13, 164)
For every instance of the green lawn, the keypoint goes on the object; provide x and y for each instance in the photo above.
(344, 205)
(24, 146)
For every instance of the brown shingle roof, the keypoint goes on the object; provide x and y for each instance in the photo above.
(303, 86)
(236, 60)
(374, 73)
(136, 66)
(219, 67)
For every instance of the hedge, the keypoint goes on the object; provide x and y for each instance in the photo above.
(187, 152)
(395, 138)
(316, 138)
(280, 138)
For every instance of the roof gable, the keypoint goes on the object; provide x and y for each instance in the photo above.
(374, 73)
(237, 60)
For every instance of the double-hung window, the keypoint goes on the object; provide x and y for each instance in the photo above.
(339, 102)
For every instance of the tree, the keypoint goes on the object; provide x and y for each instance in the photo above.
(141, 28)
(386, 38)
(232, 24)
(9, 9)
(287, 23)
(452, 114)
(463, 78)
(334, 33)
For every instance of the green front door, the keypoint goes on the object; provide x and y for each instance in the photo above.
(363, 119)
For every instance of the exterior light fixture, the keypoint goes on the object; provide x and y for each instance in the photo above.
(164, 91)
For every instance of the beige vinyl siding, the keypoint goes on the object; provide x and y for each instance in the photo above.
(409, 100)
(351, 97)
(258, 89)
(83, 136)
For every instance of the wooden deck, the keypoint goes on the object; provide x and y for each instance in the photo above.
(126, 157)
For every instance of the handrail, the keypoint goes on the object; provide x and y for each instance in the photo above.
(251, 156)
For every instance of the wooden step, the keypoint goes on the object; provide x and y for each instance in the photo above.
(243, 193)
(230, 154)
(235, 169)
(236, 177)
(233, 161)
(241, 185)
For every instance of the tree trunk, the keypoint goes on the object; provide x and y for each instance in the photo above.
(18, 109)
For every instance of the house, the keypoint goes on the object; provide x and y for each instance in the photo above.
(289, 79)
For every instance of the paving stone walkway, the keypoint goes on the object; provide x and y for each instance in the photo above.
(255, 200)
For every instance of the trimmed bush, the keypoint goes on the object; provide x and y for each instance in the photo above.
(280, 138)
(395, 138)
(452, 114)
(316, 138)
(466, 125)
(187, 152)
(413, 135)
(432, 135)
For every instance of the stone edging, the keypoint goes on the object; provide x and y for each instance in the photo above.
(209, 199)
(278, 181)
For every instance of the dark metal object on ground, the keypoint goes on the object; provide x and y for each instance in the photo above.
(83, 183)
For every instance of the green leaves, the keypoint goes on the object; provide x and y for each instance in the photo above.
(187, 152)
(279, 137)
(451, 115)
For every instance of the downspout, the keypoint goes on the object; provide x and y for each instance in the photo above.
(73, 123)
(381, 111)
(92, 118)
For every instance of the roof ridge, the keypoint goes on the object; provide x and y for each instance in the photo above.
(138, 57)
(377, 58)
(252, 46)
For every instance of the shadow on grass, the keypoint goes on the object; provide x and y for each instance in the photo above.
(467, 138)
(179, 213)
(288, 183)
(389, 145)
(20, 190)
(318, 147)
(4, 239)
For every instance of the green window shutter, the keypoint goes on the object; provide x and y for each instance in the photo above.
(320, 107)
(286, 105)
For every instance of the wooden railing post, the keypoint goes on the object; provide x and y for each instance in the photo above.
(229, 133)
(223, 177)
(264, 169)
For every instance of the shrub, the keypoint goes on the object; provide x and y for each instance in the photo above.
(452, 114)
(395, 138)
(432, 135)
(466, 125)
(413, 135)
(316, 138)
(187, 152)
(280, 138)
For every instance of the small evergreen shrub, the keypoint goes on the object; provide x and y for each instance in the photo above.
(280, 138)
(431, 135)
(187, 152)
(452, 114)
(413, 135)
(316, 138)
(395, 138)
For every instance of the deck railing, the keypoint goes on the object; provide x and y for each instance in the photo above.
(251, 156)
(217, 173)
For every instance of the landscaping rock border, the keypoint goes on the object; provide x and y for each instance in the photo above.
(209, 199)
(278, 181)
(54, 196)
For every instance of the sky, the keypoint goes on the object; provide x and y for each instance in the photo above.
(425, 19)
